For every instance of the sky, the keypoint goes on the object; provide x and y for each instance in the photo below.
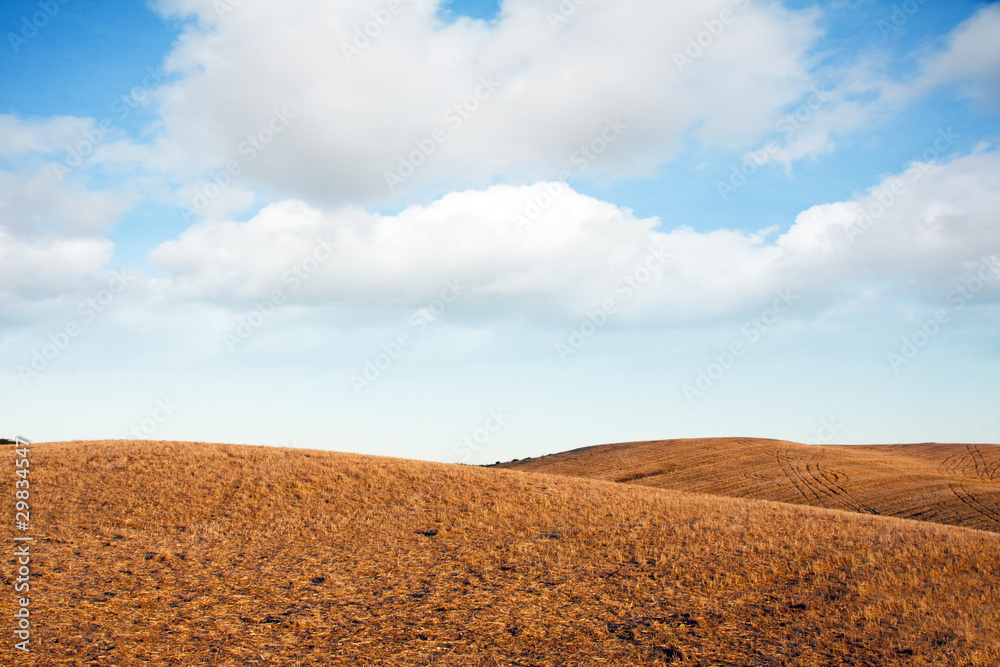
(473, 231)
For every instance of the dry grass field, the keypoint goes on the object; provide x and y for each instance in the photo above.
(951, 484)
(203, 554)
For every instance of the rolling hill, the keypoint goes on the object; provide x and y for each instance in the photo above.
(956, 484)
(202, 554)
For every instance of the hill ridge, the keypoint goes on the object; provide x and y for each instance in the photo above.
(949, 483)
(164, 553)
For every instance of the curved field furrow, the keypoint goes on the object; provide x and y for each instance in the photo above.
(849, 500)
(805, 477)
(788, 472)
(994, 469)
(978, 462)
(986, 473)
(833, 491)
(969, 463)
(975, 505)
(952, 464)
(985, 509)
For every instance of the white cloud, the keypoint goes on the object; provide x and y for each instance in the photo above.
(970, 57)
(50, 227)
(810, 129)
(913, 234)
(862, 94)
(936, 214)
(569, 252)
(555, 88)
(39, 203)
(51, 241)
(18, 135)
(927, 224)
(45, 268)
(345, 120)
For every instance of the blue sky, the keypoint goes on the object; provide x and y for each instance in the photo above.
(824, 107)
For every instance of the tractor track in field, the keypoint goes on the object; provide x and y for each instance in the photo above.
(980, 472)
(831, 480)
(946, 483)
(993, 471)
(949, 464)
(974, 503)
(824, 486)
(970, 464)
(790, 474)
(817, 476)
(981, 464)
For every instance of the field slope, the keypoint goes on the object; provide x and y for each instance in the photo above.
(956, 484)
(203, 554)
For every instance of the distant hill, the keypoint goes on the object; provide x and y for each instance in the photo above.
(956, 484)
(202, 554)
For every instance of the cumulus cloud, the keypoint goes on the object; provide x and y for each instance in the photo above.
(512, 100)
(933, 215)
(569, 249)
(919, 228)
(402, 112)
(534, 252)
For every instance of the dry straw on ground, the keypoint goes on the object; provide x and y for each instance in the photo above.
(201, 554)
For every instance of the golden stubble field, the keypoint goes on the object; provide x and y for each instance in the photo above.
(956, 484)
(204, 554)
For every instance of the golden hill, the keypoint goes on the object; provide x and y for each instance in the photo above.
(944, 483)
(203, 554)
